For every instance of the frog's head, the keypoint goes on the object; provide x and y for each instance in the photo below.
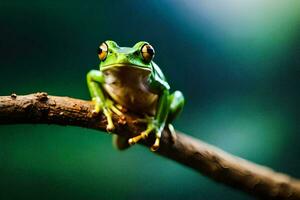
(137, 57)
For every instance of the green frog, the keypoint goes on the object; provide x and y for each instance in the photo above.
(128, 79)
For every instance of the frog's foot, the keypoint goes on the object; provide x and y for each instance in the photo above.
(108, 111)
(151, 127)
(143, 135)
(156, 144)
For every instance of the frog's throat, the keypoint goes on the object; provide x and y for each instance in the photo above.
(104, 68)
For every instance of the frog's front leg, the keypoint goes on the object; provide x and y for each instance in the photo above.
(95, 79)
(157, 124)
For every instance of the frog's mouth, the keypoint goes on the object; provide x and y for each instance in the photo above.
(125, 67)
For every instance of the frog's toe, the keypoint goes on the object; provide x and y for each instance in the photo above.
(117, 111)
(135, 139)
(140, 121)
(110, 125)
(97, 105)
(146, 120)
(132, 141)
(95, 112)
(155, 146)
(110, 128)
(122, 121)
(121, 108)
(143, 135)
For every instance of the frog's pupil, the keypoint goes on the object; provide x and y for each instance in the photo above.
(150, 50)
(99, 50)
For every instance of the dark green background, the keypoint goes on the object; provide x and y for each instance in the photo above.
(237, 63)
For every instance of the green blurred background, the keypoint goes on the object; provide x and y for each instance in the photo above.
(237, 63)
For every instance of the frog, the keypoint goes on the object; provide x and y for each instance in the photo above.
(129, 80)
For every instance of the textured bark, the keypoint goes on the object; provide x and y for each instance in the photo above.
(223, 167)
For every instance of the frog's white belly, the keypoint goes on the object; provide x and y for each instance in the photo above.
(126, 86)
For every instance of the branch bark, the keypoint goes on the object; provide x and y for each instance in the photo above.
(223, 167)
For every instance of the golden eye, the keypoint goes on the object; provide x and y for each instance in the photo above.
(147, 52)
(102, 51)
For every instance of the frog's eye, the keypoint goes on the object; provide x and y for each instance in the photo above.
(102, 51)
(147, 52)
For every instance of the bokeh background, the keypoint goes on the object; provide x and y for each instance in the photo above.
(237, 63)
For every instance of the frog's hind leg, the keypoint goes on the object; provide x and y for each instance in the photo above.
(176, 105)
(176, 101)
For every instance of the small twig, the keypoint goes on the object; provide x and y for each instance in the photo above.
(223, 167)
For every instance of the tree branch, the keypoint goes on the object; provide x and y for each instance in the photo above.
(223, 167)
